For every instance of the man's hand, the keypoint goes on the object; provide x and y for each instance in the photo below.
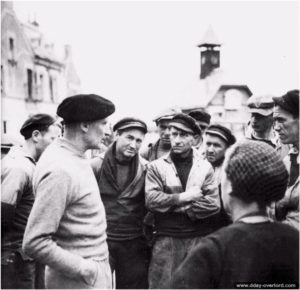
(192, 194)
(89, 271)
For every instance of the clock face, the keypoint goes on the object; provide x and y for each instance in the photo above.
(214, 59)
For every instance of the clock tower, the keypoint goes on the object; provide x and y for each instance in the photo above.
(209, 53)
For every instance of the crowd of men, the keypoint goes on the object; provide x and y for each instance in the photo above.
(195, 209)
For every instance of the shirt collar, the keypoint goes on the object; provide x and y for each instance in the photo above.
(294, 151)
(18, 151)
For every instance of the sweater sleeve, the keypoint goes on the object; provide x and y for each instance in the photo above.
(156, 198)
(209, 202)
(52, 197)
(201, 268)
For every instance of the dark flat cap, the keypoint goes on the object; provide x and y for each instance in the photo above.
(200, 115)
(222, 132)
(80, 108)
(289, 102)
(130, 123)
(36, 122)
(185, 123)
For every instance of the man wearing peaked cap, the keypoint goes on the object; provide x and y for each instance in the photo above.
(66, 230)
(17, 199)
(286, 118)
(216, 142)
(261, 109)
(121, 178)
(182, 193)
(203, 120)
(162, 146)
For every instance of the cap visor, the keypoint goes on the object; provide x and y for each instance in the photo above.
(264, 112)
(181, 127)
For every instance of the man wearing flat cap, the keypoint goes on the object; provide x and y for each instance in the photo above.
(17, 199)
(217, 140)
(162, 146)
(261, 122)
(203, 120)
(66, 228)
(121, 178)
(286, 116)
(183, 194)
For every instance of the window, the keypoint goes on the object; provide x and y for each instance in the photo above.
(11, 44)
(29, 84)
(51, 89)
(4, 127)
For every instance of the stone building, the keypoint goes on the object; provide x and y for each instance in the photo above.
(33, 79)
(223, 96)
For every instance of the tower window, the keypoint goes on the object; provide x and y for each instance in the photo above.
(11, 48)
(29, 84)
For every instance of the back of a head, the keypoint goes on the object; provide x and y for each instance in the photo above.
(256, 172)
(39, 122)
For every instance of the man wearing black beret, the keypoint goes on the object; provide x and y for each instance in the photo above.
(66, 229)
(121, 178)
(286, 118)
(18, 270)
(182, 193)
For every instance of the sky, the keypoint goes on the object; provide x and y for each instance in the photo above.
(142, 54)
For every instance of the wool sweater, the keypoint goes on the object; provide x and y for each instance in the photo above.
(242, 253)
(67, 223)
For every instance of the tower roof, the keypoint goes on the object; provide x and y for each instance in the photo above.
(209, 38)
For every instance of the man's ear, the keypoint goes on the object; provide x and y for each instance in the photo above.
(197, 139)
(35, 135)
(84, 126)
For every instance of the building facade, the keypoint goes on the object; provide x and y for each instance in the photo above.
(33, 79)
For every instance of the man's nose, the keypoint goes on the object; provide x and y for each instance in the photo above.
(276, 126)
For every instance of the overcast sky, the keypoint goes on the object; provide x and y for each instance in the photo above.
(141, 54)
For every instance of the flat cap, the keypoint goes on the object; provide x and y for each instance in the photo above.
(289, 102)
(222, 132)
(80, 108)
(261, 104)
(185, 123)
(256, 172)
(167, 114)
(36, 122)
(200, 115)
(130, 123)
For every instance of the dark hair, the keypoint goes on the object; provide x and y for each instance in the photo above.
(27, 133)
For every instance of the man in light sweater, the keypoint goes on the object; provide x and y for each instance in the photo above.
(66, 228)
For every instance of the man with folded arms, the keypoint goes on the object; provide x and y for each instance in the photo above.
(182, 193)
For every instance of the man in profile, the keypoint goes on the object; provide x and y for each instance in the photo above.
(66, 228)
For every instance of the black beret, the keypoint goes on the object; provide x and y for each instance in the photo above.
(130, 123)
(36, 122)
(200, 115)
(80, 108)
(185, 123)
(289, 102)
(221, 132)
